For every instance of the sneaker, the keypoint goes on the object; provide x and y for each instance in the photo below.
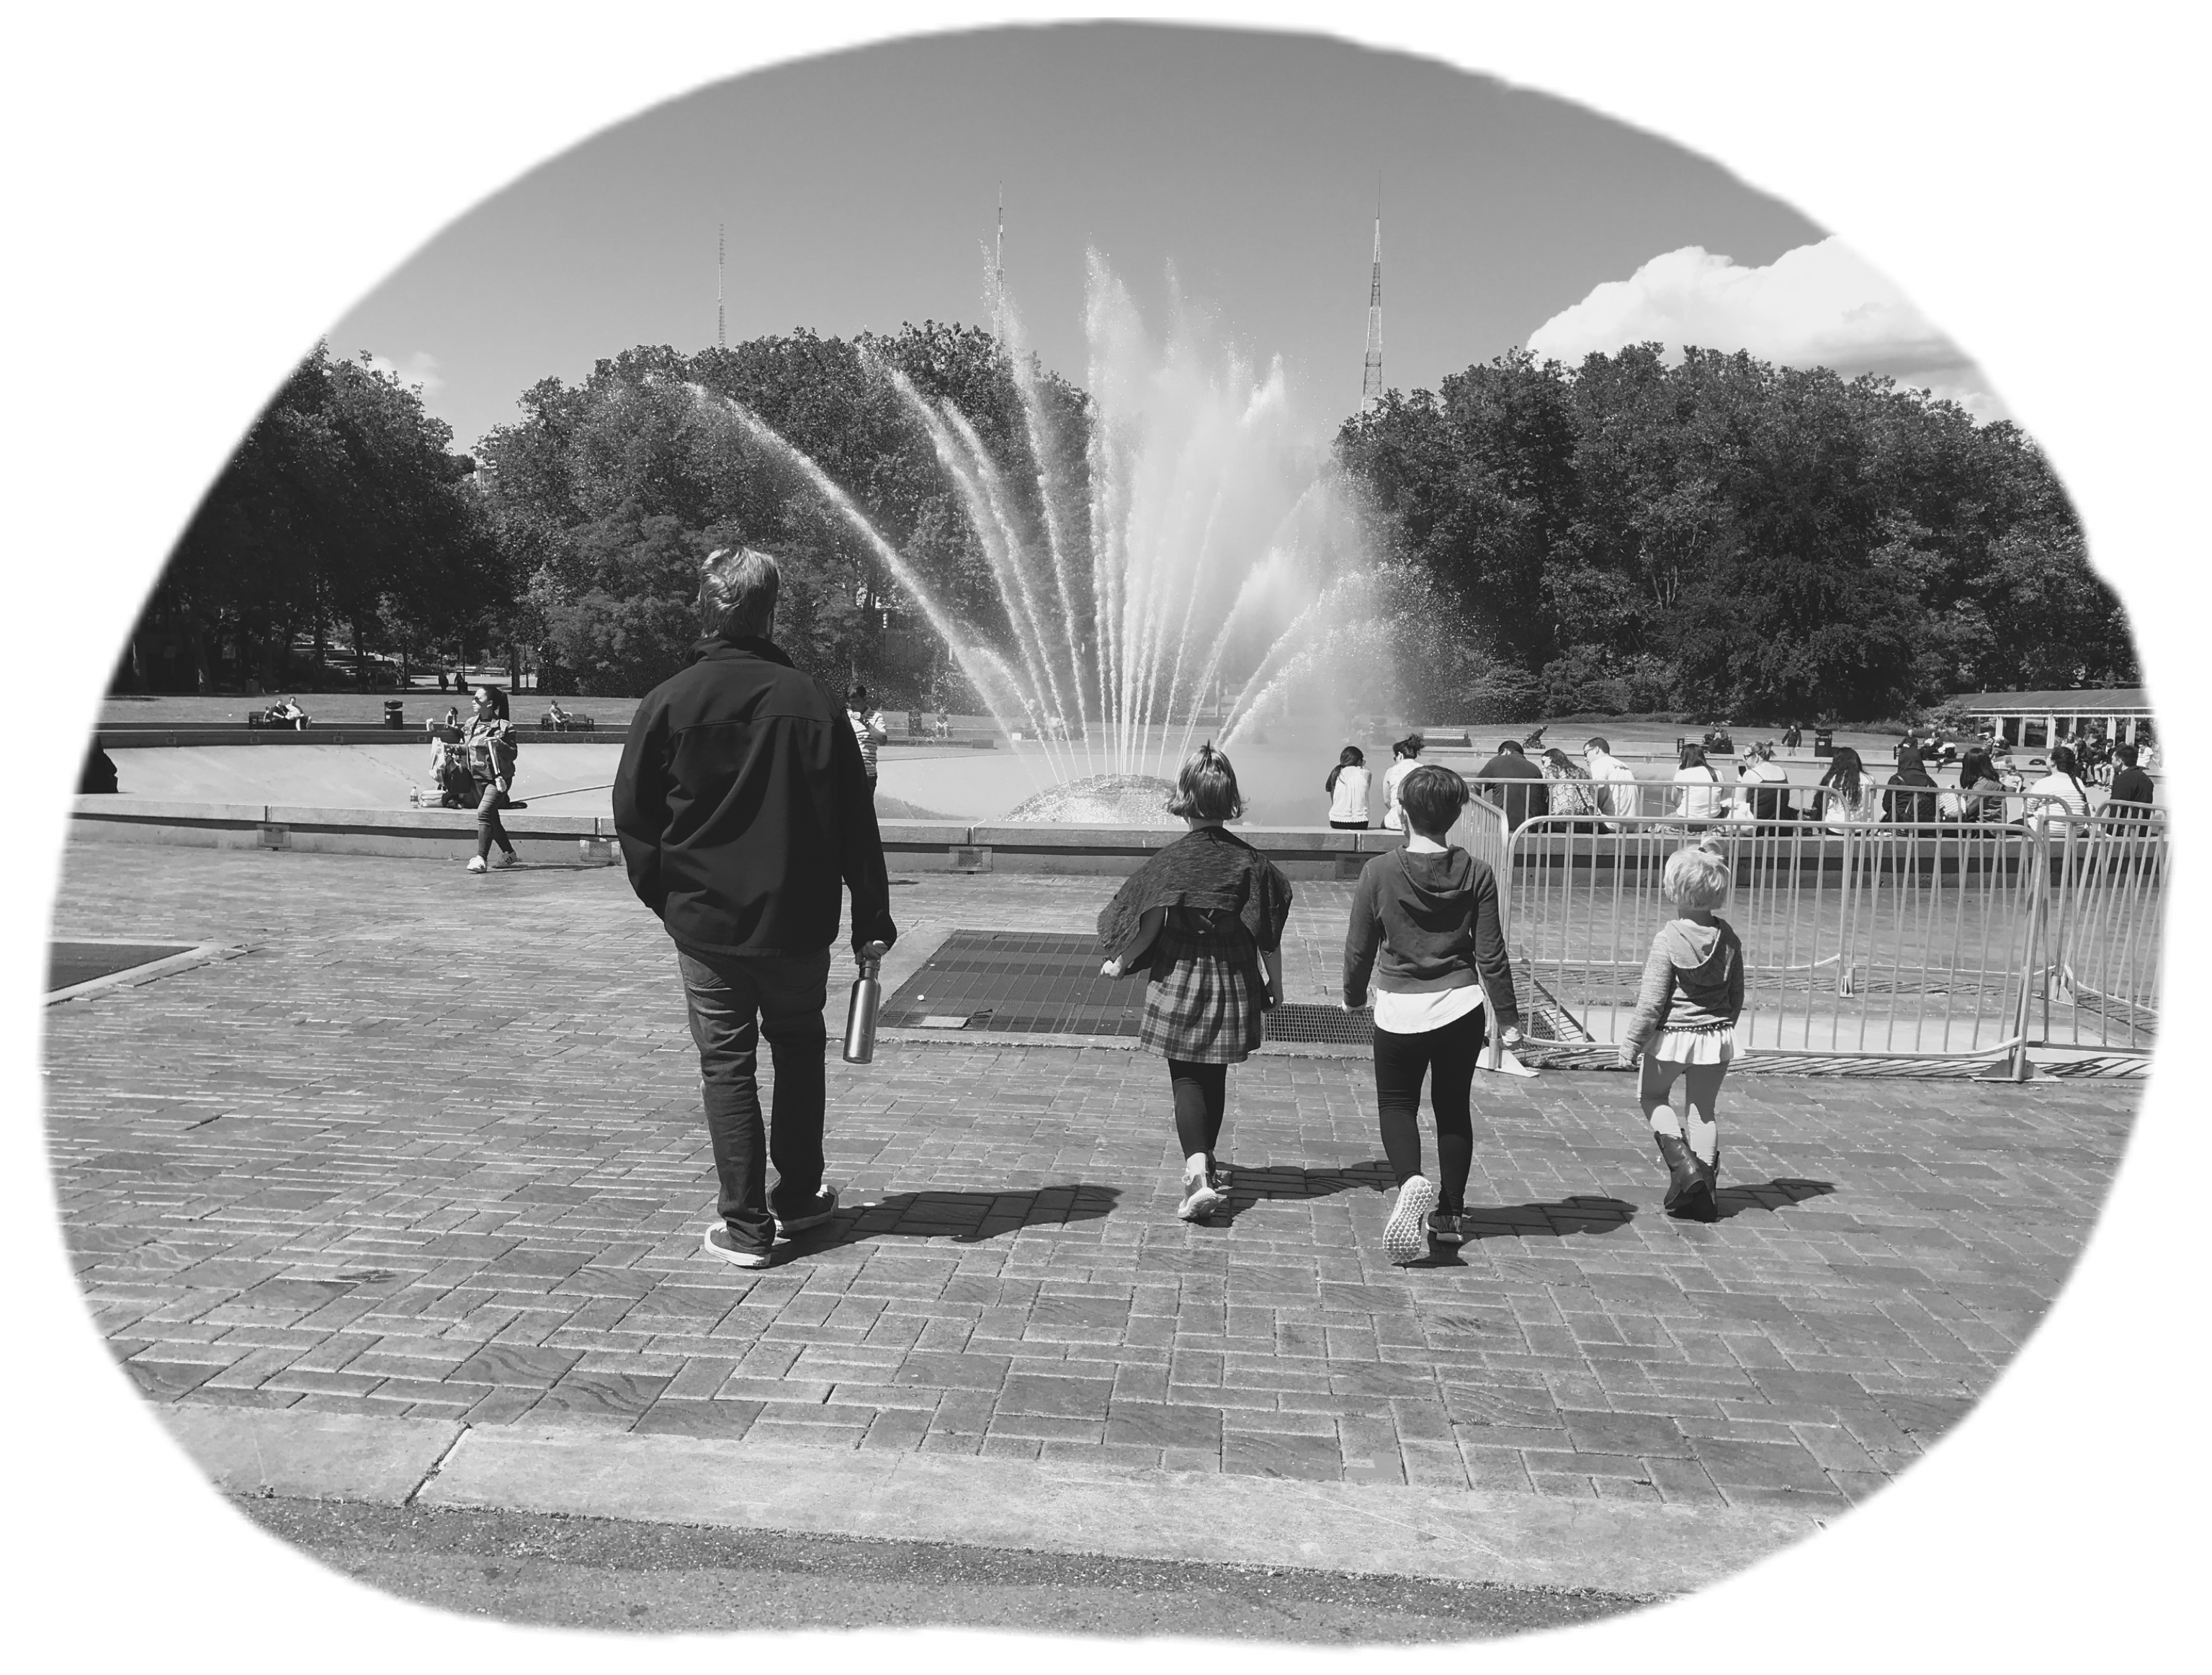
(825, 1206)
(503, 860)
(475, 863)
(1200, 1200)
(1217, 1176)
(718, 1243)
(1406, 1234)
(1448, 1226)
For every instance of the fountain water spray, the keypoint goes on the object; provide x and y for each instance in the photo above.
(1212, 547)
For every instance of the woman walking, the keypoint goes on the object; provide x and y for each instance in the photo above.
(1201, 917)
(1404, 757)
(1701, 797)
(488, 746)
(1425, 924)
(1347, 786)
(1691, 998)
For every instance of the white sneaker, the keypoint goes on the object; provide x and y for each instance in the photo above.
(1200, 1200)
(1406, 1234)
(503, 859)
(475, 863)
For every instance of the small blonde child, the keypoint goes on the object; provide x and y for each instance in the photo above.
(1684, 1026)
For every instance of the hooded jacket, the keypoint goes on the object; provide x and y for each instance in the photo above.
(742, 805)
(1693, 979)
(1423, 920)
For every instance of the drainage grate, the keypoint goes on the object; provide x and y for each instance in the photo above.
(69, 964)
(1047, 982)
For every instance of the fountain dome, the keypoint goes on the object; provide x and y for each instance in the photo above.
(1137, 799)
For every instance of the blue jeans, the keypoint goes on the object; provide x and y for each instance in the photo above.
(733, 1002)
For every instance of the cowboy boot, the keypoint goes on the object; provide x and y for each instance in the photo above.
(1684, 1179)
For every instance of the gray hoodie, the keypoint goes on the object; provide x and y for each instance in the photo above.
(1423, 920)
(1693, 978)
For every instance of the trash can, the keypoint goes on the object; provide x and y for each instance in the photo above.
(1824, 741)
(392, 718)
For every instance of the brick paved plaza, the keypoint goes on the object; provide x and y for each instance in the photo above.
(431, 1146)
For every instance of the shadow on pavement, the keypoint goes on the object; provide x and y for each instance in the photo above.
(966, 1218)
(1776, 1194)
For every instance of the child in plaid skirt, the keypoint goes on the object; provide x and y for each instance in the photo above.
(1204, 916)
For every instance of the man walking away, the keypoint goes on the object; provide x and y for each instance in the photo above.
(1522, 803)
(1616, 794)
(743, 806)
(867, 730)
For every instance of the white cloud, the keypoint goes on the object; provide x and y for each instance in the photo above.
(1818, 305)
(419, 371)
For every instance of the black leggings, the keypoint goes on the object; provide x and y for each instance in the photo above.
(1201, 1099)
(1446, 1056)
(489, 800)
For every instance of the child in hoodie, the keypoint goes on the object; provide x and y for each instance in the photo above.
(1425, 924)
(1692, 995)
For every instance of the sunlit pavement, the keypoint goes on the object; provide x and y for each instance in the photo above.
(430, 1149)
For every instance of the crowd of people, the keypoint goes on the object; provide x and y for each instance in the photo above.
(1753, 789)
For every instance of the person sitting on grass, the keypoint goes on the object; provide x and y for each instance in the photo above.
(1684, 1026)
(1425, 924)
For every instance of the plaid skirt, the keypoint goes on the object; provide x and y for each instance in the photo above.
(1207, 1009)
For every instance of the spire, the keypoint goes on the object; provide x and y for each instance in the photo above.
(1370, 379)
(721, 260)
(999, 271)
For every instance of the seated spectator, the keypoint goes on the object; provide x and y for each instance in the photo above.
(2063, 786)
(1763, 786)
(1848, 795)
(1522, 804)
(1701, 797)
(1914, 805)
(2131, 784)
(1613, 783)
(1978, 799)
(1567, 785)
(556, 717)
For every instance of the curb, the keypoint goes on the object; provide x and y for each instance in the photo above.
(1519, 1540)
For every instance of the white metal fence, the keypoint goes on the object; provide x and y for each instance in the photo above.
(1913, 940)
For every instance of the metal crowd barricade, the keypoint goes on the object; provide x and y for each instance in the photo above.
(1896, 940)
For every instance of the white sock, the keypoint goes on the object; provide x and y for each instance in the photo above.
(1194, 1164)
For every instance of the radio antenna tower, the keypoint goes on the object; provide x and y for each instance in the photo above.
(1370, 378)
(998, 272)
(722, 261)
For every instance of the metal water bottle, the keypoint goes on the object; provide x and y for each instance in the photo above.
(867, 997)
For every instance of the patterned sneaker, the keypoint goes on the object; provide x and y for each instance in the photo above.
(1448, 1226)
(1406, 1234)
(825, 1206)
(718, 1243)
(1217, 1176)
(1200, 1200)
(504, 859)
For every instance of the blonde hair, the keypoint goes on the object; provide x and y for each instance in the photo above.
(1699, 877)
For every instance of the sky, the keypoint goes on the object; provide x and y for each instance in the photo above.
(859, 190)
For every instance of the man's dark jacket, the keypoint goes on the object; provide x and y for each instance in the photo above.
(742, 805)
(2131, 785)
(1522, 803)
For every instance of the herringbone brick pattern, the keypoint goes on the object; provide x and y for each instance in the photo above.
(432, 1147)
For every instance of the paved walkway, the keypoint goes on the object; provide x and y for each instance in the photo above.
(430, 1149)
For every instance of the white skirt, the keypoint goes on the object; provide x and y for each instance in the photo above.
(1697, 1046)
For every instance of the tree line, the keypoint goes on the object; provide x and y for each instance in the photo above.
(1718, 535)
(1721, 536)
